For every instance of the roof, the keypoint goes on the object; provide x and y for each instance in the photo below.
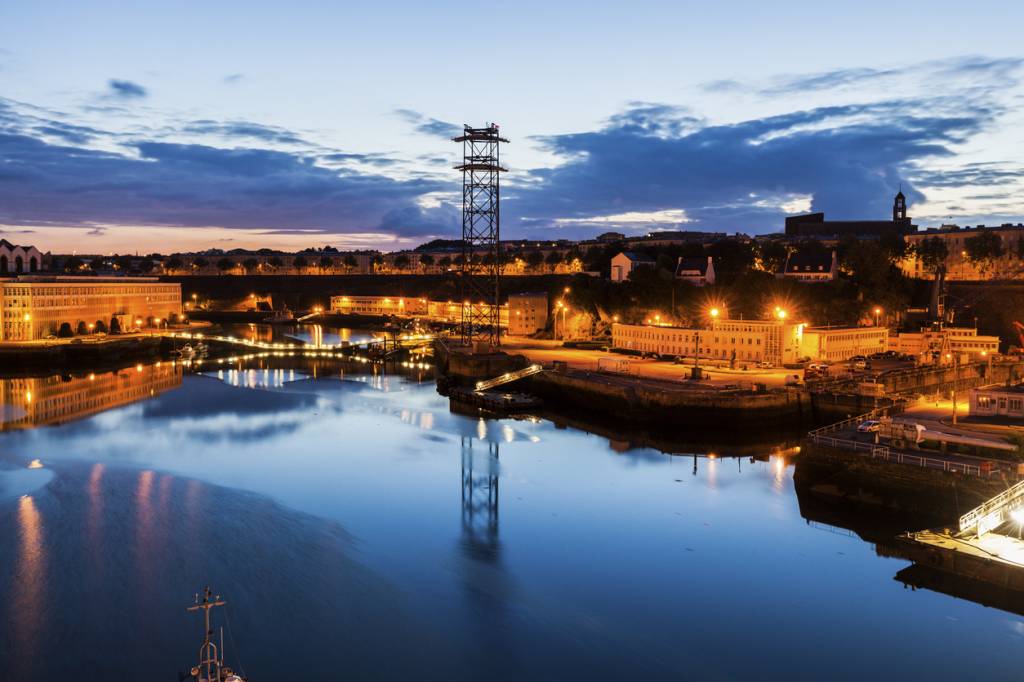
(637, 257)
(1018, 389)
(690, 265)
(807, 260)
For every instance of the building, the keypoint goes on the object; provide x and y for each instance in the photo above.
(742, 341)
(837, 344)
(16, 259)
(943, 344)
(36, 401)
(958, 266)
(997, 401)
(697, 271)
(36, 306)
(527, 313)
(626, 262)
(408, 307)
(814, 225)
(811, 266)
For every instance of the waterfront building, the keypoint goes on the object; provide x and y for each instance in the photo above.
(527, 313)
(697, 271)
(997, 401)
(624, 263)
(814, 225)
(943, 344)
(36, 306)
(958, 265)
(26, 402)
(810, 265)
(774, 341)
(16, 259)
(409, 307)
(837, 344)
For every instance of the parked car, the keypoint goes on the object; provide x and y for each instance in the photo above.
(764, 364)
(869, 426)
(855, 358)
(859, 364)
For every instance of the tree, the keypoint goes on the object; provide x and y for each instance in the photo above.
(933, 252)
(200, 262)
(173, 263)
(146, 265)
(426, 260)
(772, 255)
(250, 265)
(553, 259)
(377, 260)
(73, 264)
(225, 264)
(984, 249)
(124, 263)
(65, 331)
(401, 261)
(299, 263)
(732, 258)
(275, 262)
(445, 262)
(534, 259)
(351, 262)
(326, 263)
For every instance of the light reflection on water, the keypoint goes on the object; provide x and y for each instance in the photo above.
(357, 522)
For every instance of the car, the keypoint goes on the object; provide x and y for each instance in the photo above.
(878, 356)
(51, 337)
(855, 358)
(764, 364)
(859, 364)
(869, 426)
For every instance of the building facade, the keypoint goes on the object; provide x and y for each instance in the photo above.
(942, 345)
(696, 271)
(814, 224)
(623, 264)
(16, 259)
(35, 306)
(398, 306)
(997, 401)
(958, 265)
(742, 341)
(810, 266)
(837, 344)
(527, 313)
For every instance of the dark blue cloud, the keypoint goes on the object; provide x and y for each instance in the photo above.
(849, 159)
(248, 129)
(126, 89)
(429, 126)
(159, 183)
(233, 78)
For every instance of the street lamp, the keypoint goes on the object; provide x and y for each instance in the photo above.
(878, 311)
(780, 313)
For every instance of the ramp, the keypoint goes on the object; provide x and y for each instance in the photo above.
(508, 377)
(993, 513)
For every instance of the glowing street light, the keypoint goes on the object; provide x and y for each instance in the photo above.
(714, 313)
(878, 311)
(780, 313)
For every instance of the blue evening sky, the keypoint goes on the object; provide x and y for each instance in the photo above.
(168, 126)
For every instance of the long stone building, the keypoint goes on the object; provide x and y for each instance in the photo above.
(34, 307)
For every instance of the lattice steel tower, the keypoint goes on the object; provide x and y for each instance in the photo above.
(480, 270)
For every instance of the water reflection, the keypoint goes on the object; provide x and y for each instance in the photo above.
(28, 593)
(27, 402)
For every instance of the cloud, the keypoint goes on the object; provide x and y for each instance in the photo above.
(247, 129)
(125, 89)
(849, 159)
(429, 126)
(233, 78)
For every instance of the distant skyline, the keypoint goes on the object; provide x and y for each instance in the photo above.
(131, 126)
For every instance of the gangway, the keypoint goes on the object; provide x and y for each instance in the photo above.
(993, 513)
(309, 316)
(508, 377)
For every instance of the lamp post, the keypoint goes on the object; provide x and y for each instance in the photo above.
(878, 311)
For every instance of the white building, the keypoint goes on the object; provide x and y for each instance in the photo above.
(936, 343)
(997, 401)
(697, 271)
(836, 344)
(626, 262)
(16, 259)
(810, 266)
(742, 341)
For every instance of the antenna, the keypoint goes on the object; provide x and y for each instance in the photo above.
(208, 652)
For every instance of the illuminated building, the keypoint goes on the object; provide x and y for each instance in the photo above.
(835, 344)
(934, 343)
(997, 401)
(18, 259)
(29, 402)
(36, 306)
(398, 306)
(527, 313)
(626, 262)
(775, 341)
(958, 265)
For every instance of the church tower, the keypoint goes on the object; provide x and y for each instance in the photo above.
(899, 208)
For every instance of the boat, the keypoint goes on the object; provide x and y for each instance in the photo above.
(211, 666)
(282, 316)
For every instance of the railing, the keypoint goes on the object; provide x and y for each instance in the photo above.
(885, 411)
(991, 513)
(508, 377)
(885, 453)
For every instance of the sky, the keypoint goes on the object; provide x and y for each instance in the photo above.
(141, 126)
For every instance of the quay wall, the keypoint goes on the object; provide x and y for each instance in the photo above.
(36, 359)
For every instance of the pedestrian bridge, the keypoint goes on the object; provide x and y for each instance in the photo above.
(993, 513)
(508, 377)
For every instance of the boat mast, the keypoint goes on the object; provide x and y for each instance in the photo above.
(208, 657)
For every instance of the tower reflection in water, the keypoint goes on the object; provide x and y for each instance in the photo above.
(480, 489)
